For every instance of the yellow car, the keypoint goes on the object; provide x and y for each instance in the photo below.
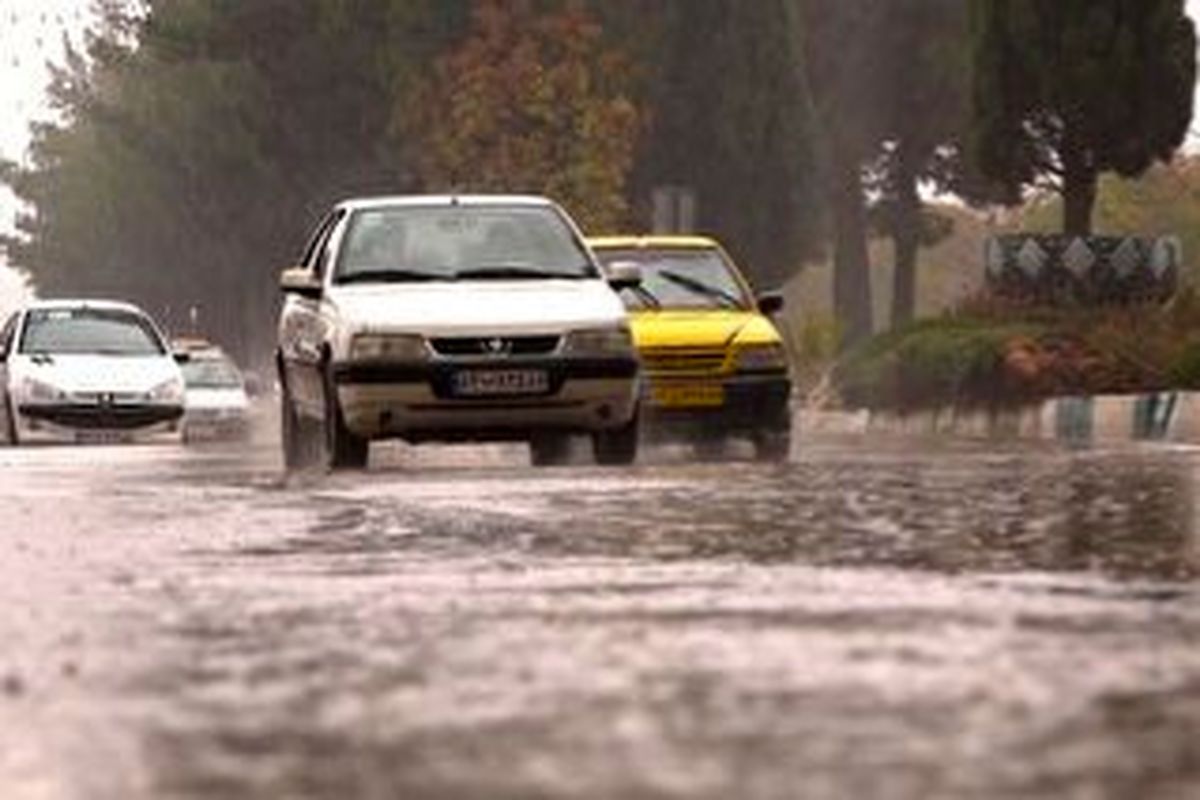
(716, 367)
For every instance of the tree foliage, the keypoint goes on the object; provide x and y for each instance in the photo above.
(199, 142)
(530, 102)
(1067, 90)
(726, 117)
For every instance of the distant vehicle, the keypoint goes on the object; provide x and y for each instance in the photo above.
(716, 367)
(216, 401)
(454, 319)
(86, 371)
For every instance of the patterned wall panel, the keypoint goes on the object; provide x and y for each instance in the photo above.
(1094, 270)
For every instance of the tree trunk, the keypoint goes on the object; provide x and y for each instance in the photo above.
(906, 237)
(851, 267)
(1079, 188)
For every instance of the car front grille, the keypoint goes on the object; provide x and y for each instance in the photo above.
(493, 346)
(683, 361)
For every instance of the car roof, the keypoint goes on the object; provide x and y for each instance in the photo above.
(417, 201)
(71, 303)
(673, 242)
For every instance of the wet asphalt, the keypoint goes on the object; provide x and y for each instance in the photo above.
(882, 619)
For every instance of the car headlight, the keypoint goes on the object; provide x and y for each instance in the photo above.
(389, 347)
(601, 341)
(41, 392)
(762, 358)
(170, 391)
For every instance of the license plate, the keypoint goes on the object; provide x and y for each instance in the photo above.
(689, 395)
(501, 382)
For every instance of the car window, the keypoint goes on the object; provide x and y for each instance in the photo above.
(320, 238)
(211, 373)
(89, 331)
(325, 246)
(681, 279)
(7, 333)
(445, 242)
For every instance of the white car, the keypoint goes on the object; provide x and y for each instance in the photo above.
(216, 404)
(86, 370)
(475, 318)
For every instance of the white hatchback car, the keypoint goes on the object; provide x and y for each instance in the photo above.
(474, 318)
(86, 370)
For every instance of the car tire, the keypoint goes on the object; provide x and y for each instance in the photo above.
(10, 424)
(549, 450)
(617, 447)
(297, 446)
(343, 449)
(773, 446)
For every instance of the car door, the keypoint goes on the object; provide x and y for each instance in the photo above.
(303, 327)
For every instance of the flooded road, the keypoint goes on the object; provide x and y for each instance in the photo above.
(905, 620)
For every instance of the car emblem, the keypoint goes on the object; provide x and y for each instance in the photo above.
(497, 348)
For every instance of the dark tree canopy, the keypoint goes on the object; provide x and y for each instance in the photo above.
(1069, 89)
(726, 116)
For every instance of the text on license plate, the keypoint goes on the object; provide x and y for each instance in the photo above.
(501, 382)
(689, 395)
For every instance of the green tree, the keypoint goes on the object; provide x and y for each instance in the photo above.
(725, 117)
(843, 79)
(531, 101)
(925, 109)
(200, 140)
(1065, 91)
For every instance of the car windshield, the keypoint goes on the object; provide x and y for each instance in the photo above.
(680, 279)
(211, 373)
(89, 331)
(400, 244)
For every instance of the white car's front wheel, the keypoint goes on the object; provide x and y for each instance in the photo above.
(297, 447)
(617, 447)
(343, 449)
(10, 423)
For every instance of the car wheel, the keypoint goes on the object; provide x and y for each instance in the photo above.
(343, 450)
(297, 447)
(549, 450)
(10, 423)
(773, 446)
(617, 447)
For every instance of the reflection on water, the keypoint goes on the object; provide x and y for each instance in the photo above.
(1130, 514)
(899, 622)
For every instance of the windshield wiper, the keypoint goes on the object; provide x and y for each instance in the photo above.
(648, 298)
(391, 276)
(504, 271)
(701, 288)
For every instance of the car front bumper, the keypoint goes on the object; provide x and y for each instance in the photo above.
(59, 422)
(749, 403)
(418, 402)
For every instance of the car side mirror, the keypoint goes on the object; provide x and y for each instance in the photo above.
(623, 275)
(300, 281)
(770, 302)
(182, 357)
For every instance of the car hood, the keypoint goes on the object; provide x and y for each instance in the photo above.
(97, 373)
(479, 307)
(215, 398)
(709, 329)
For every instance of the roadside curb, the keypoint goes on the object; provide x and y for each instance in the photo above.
(1153, 417)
